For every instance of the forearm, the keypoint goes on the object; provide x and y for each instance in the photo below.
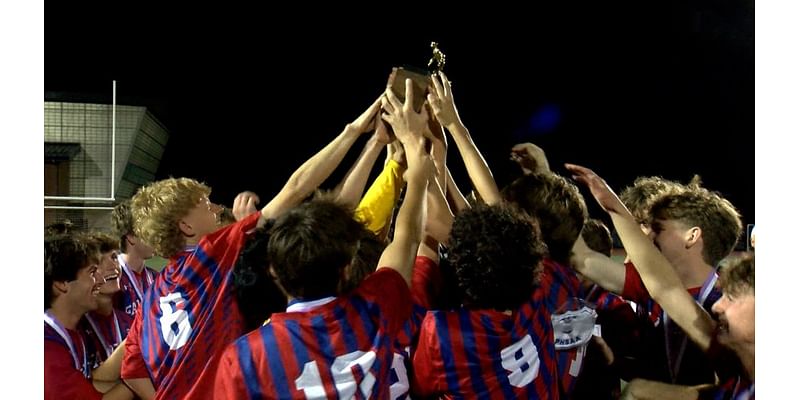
(118, 392)
(143, 387)
(640, 389)
(438, 223)
(352, 186)
(477, 168)
(439, 156)
(109, 370)
(409, 226)
(312, 173)
(400, 253)
(597, 267)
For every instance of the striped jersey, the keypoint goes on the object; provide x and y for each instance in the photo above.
(342, 349)
(189, 316)
(488, 354)
(561, 288)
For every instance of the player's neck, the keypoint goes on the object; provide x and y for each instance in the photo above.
(193, 241)
(67, 316)
(134, 262)
(693, 274)
(747, 355)
(105, 305)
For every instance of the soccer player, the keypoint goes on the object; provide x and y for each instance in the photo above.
(135, 276)
(610, 354)
(106, 327)
(70, 290)
(499, 344)
(190, 314)
(694, 229)
(736, 309)
(560, 210)
(324, 345)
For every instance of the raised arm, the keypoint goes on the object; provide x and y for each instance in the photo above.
(658, 275)
(106, 377)
(444, 108)
(351, 188)
(597, 267)
(376, 208)
(438, 222)
(244, 204)
(319, 167)
(408, 126)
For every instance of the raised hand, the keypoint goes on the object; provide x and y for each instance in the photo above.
(408, 125)
(366, 121)
(599, 188)
(383, 135)
(441, 101)
(530, 158)
(244, 204)
(420, 164)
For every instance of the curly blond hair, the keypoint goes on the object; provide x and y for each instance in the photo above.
(122, 223)
(158, 208)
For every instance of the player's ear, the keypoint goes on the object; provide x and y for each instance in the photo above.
(277, 281)
(59, 288)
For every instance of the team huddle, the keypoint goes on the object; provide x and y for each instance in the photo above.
(406, 288)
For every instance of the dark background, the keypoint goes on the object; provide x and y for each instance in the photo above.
(250, 92)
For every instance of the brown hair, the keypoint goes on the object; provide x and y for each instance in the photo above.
(740, 276)
(716, 216)
(556, 204)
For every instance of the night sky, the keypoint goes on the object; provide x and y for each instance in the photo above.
(627, 89)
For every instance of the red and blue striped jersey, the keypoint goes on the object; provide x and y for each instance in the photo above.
(604, 300)
(560, 287)
(487, 354)
(424, 283)
(734, 388)
(189, 316)
(342, 349)
(133, 286)
(104, 333)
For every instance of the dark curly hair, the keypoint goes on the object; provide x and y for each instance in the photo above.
(495, 253)
(310, 246)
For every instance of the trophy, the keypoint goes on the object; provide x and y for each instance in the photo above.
(420, 79)
(436, 63)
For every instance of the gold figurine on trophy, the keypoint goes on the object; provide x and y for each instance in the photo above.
(436, 64)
